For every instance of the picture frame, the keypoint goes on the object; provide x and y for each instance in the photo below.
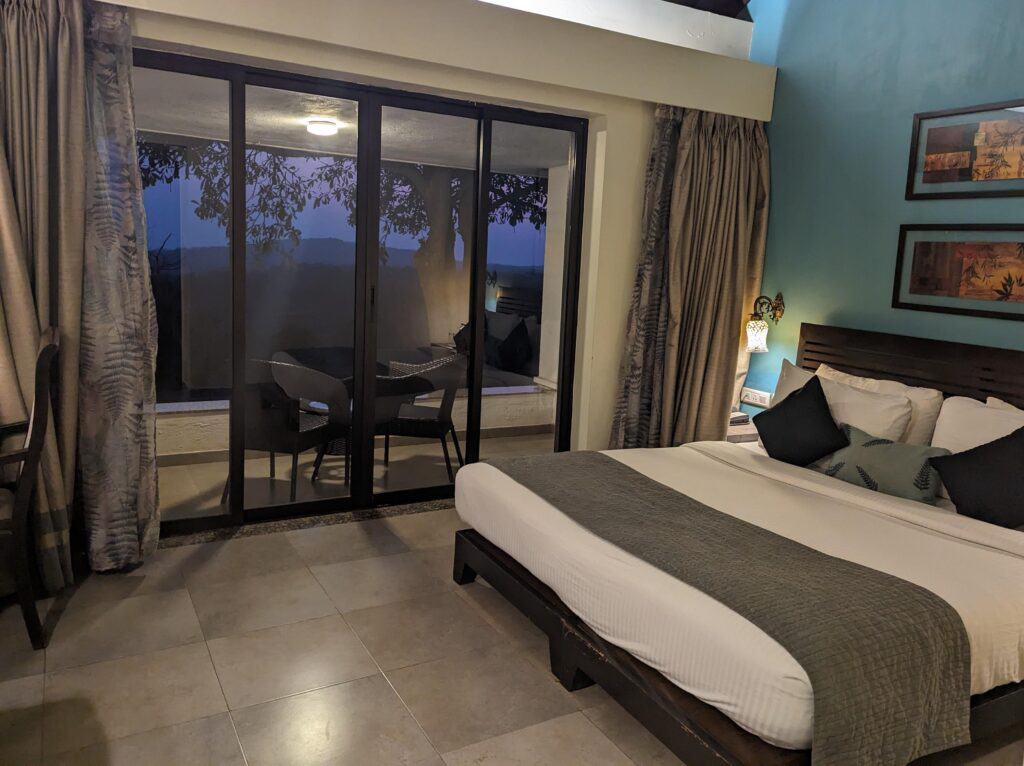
(968, 152)
(970, 269)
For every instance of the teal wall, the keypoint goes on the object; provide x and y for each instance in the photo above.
(852, 73)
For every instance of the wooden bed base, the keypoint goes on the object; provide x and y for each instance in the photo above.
(695, 731)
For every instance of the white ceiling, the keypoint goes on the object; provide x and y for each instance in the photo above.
(656, 20)
(197, 107)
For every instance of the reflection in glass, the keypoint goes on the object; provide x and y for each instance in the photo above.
(529, 196)
(183, 155)
(300, 191)
(428, 174)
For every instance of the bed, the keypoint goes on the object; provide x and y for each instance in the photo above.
(709, 683)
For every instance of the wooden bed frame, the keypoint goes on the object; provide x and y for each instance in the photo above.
(695, 731)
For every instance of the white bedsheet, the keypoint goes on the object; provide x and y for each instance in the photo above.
(706, 648)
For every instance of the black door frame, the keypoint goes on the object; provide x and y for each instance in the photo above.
(370, 102)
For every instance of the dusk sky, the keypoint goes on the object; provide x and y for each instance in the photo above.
(521, 246)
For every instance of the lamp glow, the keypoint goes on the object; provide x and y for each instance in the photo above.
(757, 336)
(323, 126)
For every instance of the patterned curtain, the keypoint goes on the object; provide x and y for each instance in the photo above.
(705, 223)
(42, 179)
(117, 425)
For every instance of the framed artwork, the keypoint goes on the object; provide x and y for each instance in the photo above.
(976, 151)
(971, 269)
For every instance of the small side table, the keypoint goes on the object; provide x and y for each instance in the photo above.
(741, 433)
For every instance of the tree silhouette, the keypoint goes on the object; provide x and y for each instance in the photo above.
(432, 203)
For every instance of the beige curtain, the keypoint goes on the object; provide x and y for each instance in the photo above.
(705, 222)
(42, 188)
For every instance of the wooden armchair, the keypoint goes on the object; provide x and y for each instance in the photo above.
(16, 499)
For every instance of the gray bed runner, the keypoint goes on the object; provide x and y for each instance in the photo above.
(889, 661)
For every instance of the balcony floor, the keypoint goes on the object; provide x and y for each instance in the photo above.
(194, 490)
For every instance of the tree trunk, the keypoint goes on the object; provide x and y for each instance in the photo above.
(445, 288)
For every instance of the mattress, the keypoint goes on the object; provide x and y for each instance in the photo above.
(707, 649)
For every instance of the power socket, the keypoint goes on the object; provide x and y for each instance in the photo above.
(755, 397)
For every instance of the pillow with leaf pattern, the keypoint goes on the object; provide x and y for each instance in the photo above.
(893, 468)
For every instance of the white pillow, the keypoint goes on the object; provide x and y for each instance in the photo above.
(965, 423)
(925, 403)
(791, 378)
(882, 415)
(999, 404)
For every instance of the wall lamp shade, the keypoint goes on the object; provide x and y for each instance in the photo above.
(757, 336)
(765, 308)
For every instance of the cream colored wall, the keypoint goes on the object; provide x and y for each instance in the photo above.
(619, 127)
(504, 42)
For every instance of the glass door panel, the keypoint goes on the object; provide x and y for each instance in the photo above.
(300, 257)
(428, 182)
(184, 159)
(531, 175)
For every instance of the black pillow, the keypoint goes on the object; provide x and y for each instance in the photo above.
(515, 351)
(800, 429)
(983, 482)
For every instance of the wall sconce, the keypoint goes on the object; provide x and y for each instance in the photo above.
(757, 326)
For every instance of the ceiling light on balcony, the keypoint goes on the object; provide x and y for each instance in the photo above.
(323, 126)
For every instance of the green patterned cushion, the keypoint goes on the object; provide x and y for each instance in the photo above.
(895, 468)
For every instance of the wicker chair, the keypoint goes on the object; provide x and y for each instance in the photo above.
(420, 421)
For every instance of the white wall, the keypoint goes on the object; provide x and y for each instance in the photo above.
(651, 19)
(479, 51)
(486, 38)
(554, 262)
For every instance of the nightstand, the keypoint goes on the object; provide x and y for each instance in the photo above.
(745, 432)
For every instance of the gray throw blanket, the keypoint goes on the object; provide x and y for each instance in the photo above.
(888, 660)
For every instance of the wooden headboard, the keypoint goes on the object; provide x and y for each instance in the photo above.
(956, 369)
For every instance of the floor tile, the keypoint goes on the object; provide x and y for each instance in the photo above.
(228, 560)
(438, 561)
(159, 573)
(263, 601)
(17, 657)
(267, 664)
(109, 700)
(630, 735)
(111, 629)
(360, 722)
(205, 742)
(427, 530)
(345, 542)
(471, 696)
(509, 621)
(421, 629)
(377, 581)
(21, 720)
(567, 741)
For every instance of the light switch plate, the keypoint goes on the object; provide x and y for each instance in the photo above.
(755, 397)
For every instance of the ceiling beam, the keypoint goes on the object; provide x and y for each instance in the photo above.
(734, 9)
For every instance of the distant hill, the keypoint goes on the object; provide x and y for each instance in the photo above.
(328, 251)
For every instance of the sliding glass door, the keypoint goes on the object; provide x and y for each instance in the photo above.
(358, 290)
(527, 225)
(300, 284)
(425, 250)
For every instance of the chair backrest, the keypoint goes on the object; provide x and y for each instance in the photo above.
(304, 383)
(39, 417)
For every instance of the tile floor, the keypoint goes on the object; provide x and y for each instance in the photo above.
(346, 644)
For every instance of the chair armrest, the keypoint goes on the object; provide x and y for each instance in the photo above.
(17, 456)
(6, 429)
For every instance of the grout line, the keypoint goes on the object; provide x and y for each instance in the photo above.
(397, 695)
(380, 670)
(220, 684)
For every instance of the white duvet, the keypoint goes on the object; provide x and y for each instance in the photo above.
(705, 647)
